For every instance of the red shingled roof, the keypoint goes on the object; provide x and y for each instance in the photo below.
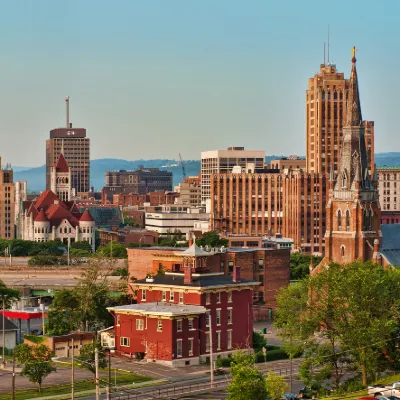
(41, 217)
(56, 213)
(61, 164)
(46, 199)
(86, 216)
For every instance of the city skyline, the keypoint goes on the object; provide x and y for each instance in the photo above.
(160, 78)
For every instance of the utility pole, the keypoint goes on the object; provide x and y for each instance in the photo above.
(68, 251)
(42, 308)
(13, 378)
(73, 372)
(211, 355)
(109, 376)
(3, 360)
(96, 364)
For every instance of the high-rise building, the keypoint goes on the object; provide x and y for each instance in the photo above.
(75, 146)
(223, 161)
(326, 100)
(352, 212)
(7, 203)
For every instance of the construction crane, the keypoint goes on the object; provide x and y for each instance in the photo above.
(183, 167)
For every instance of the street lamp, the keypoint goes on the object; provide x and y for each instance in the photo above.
(3, 360)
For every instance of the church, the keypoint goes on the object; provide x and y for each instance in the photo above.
(353, 223)
(53, 215)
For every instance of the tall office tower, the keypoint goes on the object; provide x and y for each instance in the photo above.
(7, 202)
(75, 146)
(222, 161)
(326, 100)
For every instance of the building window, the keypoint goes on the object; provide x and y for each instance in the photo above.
(219, 297)
(171, 296)
(143, 294)
(347, 220)
(207, 319)
(180, 297)
(339, 220)
(229, 297)
(124, 341)
(261, 264)
(208, 342)
(230, 266)
(179, 348)
(190, 346)
(191, 324)
(342, 250)
(159, 325)
(229, 315)
(218, 318)
(163, 295)
(229, 341)
(261, 279)
(139, 324)
(179, 325)
(208, 298)
(118, 320)
(218, 335)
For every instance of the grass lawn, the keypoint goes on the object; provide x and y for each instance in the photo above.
(123, 378)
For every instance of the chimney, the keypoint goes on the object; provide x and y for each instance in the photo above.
(187, 280)
(236, 274)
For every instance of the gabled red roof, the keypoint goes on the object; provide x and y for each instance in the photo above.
(41, 217)
(61, 164)
(46, 199)
(32, 210)
(56, 213)
(86, 216)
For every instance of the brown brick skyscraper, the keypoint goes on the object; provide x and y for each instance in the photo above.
(325, 115)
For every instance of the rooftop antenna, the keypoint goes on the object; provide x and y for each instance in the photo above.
(324, 54)
(328, 42)
(67, 107)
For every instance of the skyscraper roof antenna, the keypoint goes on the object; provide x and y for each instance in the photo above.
(67, 106)
(328, 41)
(324, 54)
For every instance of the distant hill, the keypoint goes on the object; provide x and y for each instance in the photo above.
(36, 177)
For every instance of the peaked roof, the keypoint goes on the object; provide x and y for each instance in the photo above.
(86, 217)
(41, 217)
(61, 164)
(354, 117)
(46, 199)
(194, 251)
(8, 325)
(57, 213)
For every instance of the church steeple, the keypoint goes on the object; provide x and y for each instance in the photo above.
(354, 159)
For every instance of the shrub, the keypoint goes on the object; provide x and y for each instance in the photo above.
(47, 260)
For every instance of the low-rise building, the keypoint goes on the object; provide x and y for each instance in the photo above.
(174, 217)
(61, 345)
(10, 333)
(179, 315)
(127, 235)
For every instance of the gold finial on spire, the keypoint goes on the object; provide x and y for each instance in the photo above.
(353, 51)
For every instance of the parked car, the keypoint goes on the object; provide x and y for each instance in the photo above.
(387, 397)
(289, 396)
(385, 390)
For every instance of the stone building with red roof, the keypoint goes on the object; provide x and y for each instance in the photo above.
(53, 215)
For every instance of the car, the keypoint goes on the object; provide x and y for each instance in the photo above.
(385, 390)
(289, 396)
(387, 397)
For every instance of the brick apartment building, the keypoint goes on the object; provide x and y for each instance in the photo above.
(177, 312)
(155, 198)
(127, 235)
(270, 267)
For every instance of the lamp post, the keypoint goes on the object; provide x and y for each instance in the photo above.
(3, 360)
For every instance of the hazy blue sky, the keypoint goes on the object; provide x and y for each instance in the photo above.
(149, 79)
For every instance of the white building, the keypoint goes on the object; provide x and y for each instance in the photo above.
(10, 333)
(48, 217)
(222, 161)
(175, 217)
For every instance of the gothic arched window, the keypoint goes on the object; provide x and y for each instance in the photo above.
(365, 220)
(342, 250)
(347, 220)
(371, 214)
(339, 220)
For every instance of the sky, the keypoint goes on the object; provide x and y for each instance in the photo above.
(152, 79)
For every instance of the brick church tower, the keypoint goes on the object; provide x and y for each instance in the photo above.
(353, 212)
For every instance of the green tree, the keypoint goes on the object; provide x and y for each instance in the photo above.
(113, 249)
(300, 265)
(79, 253)
(37, 362)
(352, 308)
(259, 342)
(211, 239)
(87, 356)
(276, 385)
(247, 382)
(83, 245)
(7, 295)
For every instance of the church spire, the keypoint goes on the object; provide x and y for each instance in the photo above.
(354, 117)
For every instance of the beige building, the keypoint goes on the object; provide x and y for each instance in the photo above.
(223, 161)
(326, 98)
(288, 163)
(7, 202)
(388, 186)
(190, 191)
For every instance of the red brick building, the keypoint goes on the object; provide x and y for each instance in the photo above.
(270, 267)
(127, 235)
(180, 314)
